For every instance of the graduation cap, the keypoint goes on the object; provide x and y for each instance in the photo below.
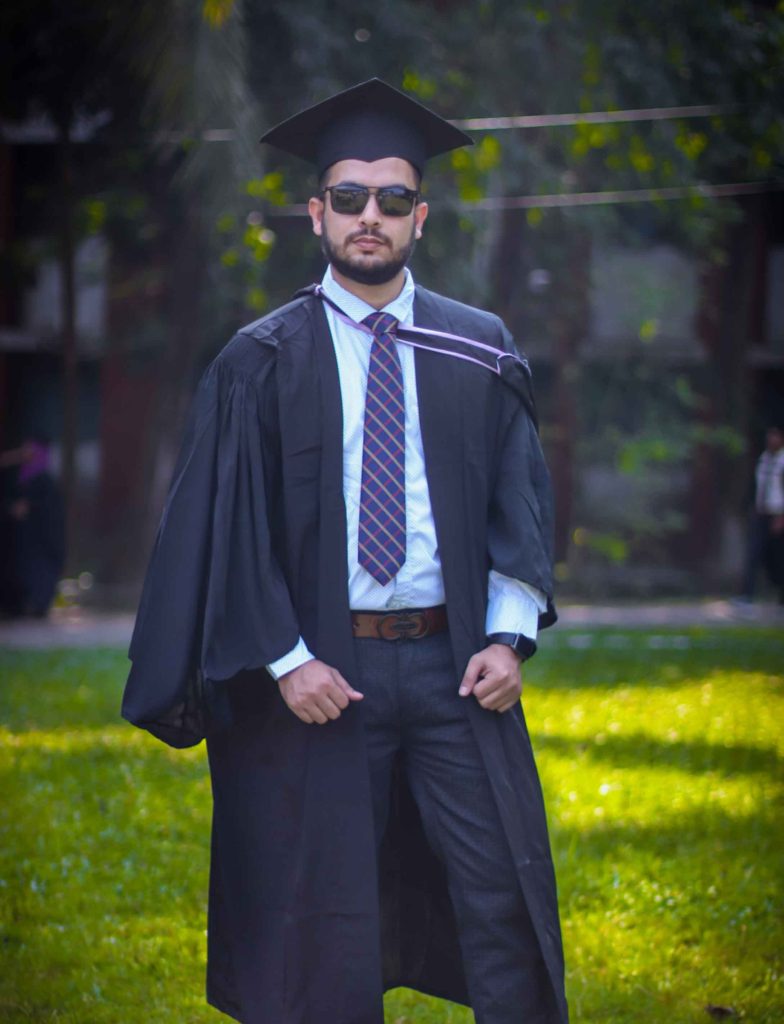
(368, 122)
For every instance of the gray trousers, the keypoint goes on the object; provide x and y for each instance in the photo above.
(412, 711)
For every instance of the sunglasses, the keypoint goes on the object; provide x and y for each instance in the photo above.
(392, 200)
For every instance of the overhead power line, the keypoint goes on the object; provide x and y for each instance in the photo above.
(483, 124)
(632, 195)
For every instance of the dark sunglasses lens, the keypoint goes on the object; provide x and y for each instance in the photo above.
(348, 200)
(395, 202)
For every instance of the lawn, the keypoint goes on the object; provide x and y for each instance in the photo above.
(661, 758)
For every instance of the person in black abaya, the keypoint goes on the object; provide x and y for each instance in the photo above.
(352, 565)
(32, 533)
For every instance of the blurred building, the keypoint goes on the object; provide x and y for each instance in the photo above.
(681, 368)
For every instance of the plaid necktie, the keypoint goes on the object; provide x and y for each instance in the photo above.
(382, 503)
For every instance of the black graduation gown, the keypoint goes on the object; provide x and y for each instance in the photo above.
(252, 551)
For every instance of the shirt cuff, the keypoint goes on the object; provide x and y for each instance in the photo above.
(297, 656)
(513, 606)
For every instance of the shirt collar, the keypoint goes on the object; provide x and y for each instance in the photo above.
(401, 307)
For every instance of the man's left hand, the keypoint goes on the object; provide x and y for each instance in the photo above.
(493, 676)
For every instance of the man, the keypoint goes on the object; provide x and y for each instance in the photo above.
(765, 543)
(362, 513)
(32, 531)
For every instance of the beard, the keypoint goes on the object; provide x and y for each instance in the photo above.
(356, 269)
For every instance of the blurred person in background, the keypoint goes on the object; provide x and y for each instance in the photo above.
(32, 531)
(765, 544)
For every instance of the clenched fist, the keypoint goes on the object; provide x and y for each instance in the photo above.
(316, 693)
(493, 676)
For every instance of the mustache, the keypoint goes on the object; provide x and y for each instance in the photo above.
(365, 233)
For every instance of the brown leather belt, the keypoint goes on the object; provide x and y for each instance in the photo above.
(406, 624)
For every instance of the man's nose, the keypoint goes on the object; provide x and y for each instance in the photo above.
(371, 214)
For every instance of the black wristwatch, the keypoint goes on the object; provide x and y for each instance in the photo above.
(523, 646)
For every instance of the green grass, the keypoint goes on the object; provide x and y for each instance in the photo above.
(661, 759)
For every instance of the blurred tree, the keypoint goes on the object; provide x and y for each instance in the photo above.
(196, 72)
(68, 64)
(566, 56)
(141, 83)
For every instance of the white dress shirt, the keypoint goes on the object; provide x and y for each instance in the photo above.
(513, 606)
(770, 483)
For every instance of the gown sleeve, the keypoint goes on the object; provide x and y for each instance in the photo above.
(215, 601)
(520, 526)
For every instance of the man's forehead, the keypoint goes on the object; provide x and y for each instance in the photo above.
(387, 171)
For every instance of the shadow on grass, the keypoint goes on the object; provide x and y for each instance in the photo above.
(61, 688)
(695, 756)
(608, 659)
(713, 842)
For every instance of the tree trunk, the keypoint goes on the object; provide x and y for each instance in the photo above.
(729, 298)
(568, 328)
(69, 340)
(178, 365)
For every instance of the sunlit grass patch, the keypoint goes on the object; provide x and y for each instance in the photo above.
(103, 852)
(661, 759)
(662, 768)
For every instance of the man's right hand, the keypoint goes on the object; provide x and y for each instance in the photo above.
(316, 693)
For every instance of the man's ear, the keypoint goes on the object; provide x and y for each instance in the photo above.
(316, 211)
(420, 216)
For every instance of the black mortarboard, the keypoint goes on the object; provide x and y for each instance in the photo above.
(368, 122)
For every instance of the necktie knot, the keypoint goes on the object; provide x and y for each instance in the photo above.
(381, 323)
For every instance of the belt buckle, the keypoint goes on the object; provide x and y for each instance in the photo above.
(402, 626)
